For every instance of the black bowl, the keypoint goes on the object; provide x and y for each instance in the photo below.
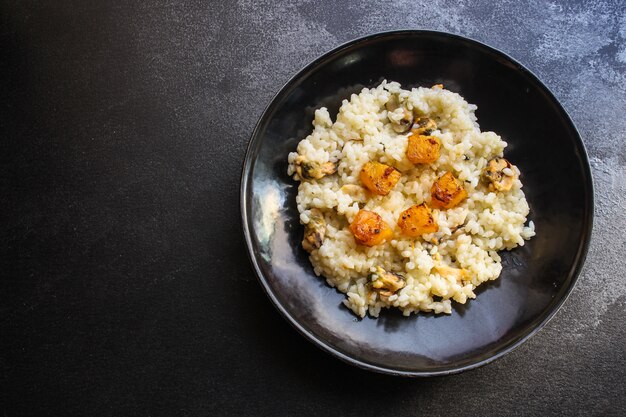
(536, 278)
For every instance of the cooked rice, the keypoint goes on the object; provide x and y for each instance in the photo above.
(488, 221)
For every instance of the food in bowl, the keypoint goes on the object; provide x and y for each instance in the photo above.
(405, 202)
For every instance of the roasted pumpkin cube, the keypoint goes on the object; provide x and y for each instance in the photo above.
(417, 220)
(423, 149)
(379, 178)
(447, 192)
(369, 228)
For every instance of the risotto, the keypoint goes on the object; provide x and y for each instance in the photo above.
(405, 202)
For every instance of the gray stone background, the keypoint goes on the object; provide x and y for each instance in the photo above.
(182, 68)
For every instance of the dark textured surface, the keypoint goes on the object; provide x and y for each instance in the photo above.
(125, 285)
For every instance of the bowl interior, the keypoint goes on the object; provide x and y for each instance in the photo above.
(536, 277)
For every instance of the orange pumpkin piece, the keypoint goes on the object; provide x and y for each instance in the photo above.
(417, 220)
(379, 178)
(447, 192)
(369, 228)
(423, 149)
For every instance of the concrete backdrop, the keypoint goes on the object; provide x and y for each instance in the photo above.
(125, 286)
